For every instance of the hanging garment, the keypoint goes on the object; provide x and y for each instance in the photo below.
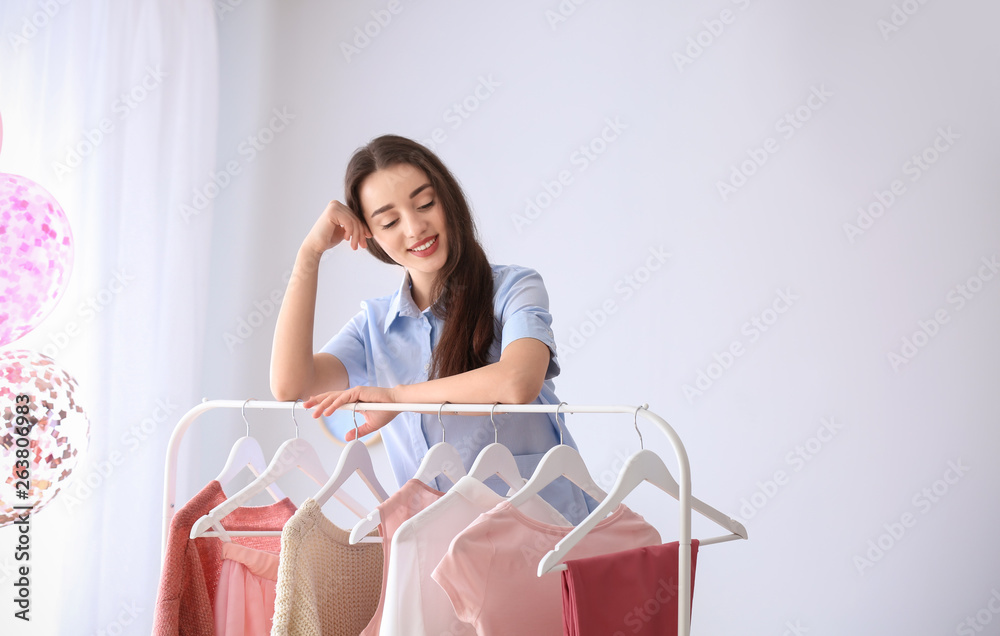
(412, 497)
(326, 586)
(628, 592)
(490, 570)
(192, 567)
(244, 603)
(415, 605)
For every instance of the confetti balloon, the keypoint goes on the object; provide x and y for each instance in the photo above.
(44, 432)
(36, 255)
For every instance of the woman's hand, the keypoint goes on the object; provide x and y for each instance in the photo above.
(334, 225)
(327, 403)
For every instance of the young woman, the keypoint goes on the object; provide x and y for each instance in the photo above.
(457, 330)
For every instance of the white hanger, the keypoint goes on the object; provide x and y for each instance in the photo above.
(560, 461)
(355, 458)
(246, 453)
(496, 459)
(645, 465)
(294, 453)
(441, 459)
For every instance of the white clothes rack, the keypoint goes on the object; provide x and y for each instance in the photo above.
(683, 478)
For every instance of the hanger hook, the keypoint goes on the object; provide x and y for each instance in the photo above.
(561, 404)
(295, 421)
(354, 416)
(496, 432)
(635, 421)
(243, 411)
(439, 419)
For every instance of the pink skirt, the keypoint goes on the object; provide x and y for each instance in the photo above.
(244, 602)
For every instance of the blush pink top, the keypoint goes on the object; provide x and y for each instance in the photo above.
(630, 592)
(411, 498)
(490, 570)
(244, 602)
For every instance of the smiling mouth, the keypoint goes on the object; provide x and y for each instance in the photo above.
(425, 245)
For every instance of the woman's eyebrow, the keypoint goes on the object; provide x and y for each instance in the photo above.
(389, 206)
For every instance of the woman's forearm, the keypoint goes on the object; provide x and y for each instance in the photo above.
(517, 378)
(293, 372)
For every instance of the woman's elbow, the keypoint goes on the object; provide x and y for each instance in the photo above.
(522, 390)
(283, 391)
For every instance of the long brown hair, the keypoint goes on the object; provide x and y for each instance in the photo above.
(463, 289)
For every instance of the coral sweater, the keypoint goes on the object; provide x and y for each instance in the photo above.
(192, 567)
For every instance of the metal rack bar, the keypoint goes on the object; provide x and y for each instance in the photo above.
(683, 478)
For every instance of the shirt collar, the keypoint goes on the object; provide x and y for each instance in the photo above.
(401, 303)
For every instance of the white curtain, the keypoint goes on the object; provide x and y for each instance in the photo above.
(113, 107)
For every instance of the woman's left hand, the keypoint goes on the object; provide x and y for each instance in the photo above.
(327, 403)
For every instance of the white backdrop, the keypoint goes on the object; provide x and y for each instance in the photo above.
(775, 222)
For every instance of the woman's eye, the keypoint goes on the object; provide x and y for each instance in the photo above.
(390, 224)
(425, 207)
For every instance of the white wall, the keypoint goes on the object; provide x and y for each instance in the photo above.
(866, 101)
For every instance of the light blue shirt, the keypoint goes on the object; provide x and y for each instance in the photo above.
(389, 342)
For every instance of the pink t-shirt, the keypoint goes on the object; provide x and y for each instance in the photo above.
(411, 498)
(490, 570)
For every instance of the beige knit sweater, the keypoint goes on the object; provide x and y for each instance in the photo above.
(325, 585)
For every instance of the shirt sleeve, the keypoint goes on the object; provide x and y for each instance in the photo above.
(464, 571)
(522, 305)
(348, 346)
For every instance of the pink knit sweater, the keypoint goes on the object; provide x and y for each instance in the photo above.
(191, 567)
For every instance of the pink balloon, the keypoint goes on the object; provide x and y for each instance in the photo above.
(36, 255)
(44, 428)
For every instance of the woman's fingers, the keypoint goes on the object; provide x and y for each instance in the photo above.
(345, 397)
(321, 403)
(361, 431)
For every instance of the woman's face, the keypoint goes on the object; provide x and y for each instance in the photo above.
(406, 220)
